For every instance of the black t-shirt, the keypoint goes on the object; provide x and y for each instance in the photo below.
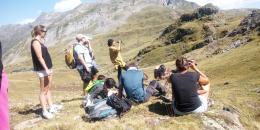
(45, 55)
(184, 90)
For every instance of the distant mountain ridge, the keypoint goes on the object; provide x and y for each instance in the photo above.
(94, 18)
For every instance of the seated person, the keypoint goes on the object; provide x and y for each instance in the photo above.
(132, 82)
(96, 79)
(99, 90)
(190, 90)
(161, 72)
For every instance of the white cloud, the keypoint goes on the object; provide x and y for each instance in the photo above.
(39, 11)
(27, 20)
(66, 5)
(229, 4)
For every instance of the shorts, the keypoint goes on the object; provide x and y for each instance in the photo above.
(202, 108)
(86, 76)
(43, 73)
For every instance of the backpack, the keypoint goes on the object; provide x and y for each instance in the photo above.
(100, 111)
(70, 55)
(121, 105)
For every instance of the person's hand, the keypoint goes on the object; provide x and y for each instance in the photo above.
(87, 69)
(48, 72)
(93, 57)
(192, 64)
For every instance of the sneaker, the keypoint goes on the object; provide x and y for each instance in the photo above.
(55, 108)
(47, 115)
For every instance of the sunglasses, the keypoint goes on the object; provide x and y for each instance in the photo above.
(44, 30)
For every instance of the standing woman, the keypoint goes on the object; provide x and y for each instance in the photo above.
(42, 64)
(4, 112)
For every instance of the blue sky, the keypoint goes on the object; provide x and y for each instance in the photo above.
(24, 11)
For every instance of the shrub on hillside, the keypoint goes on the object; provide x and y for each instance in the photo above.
(206, 10)
(179, 33)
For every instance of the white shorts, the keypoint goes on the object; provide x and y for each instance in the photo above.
(42, 73)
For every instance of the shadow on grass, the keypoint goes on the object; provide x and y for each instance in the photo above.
(31, 110)
(163, 107)
(71, 100)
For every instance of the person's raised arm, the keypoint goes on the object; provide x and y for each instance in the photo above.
(203, 79)
(38, 51)
(119, 46)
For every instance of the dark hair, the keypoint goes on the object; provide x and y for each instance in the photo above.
(132, 64)
(110, 83)
(37, 30)
(101, 77)
(182, 64)
(1, 65)
(110, 42)
(158, 73)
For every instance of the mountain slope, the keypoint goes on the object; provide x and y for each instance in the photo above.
(96, 19)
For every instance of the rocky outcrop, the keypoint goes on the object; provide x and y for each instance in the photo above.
(233, 45)
(251, 22)
(206, 10)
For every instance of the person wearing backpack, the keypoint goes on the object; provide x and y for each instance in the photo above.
(42, 65)
(4, 110)
(99, 90)
(85, 60)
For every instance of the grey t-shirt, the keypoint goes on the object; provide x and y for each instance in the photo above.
(85, 53)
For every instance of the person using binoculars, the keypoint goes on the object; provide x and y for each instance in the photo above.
(115, 55)
(190, 89)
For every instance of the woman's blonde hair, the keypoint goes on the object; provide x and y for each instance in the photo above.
(37, 30)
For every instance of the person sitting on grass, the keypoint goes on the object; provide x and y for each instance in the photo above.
(132, 80)
(190, 90)
(100, 89)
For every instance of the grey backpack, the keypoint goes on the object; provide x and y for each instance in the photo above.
(100, 111)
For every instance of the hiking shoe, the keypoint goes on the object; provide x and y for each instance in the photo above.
(55, 108)
(47, 115)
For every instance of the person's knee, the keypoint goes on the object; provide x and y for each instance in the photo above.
(46, 81)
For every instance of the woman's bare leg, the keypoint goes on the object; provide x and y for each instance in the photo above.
(48, 86)
(43, 92)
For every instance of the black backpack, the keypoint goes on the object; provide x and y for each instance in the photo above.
(121, 105)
